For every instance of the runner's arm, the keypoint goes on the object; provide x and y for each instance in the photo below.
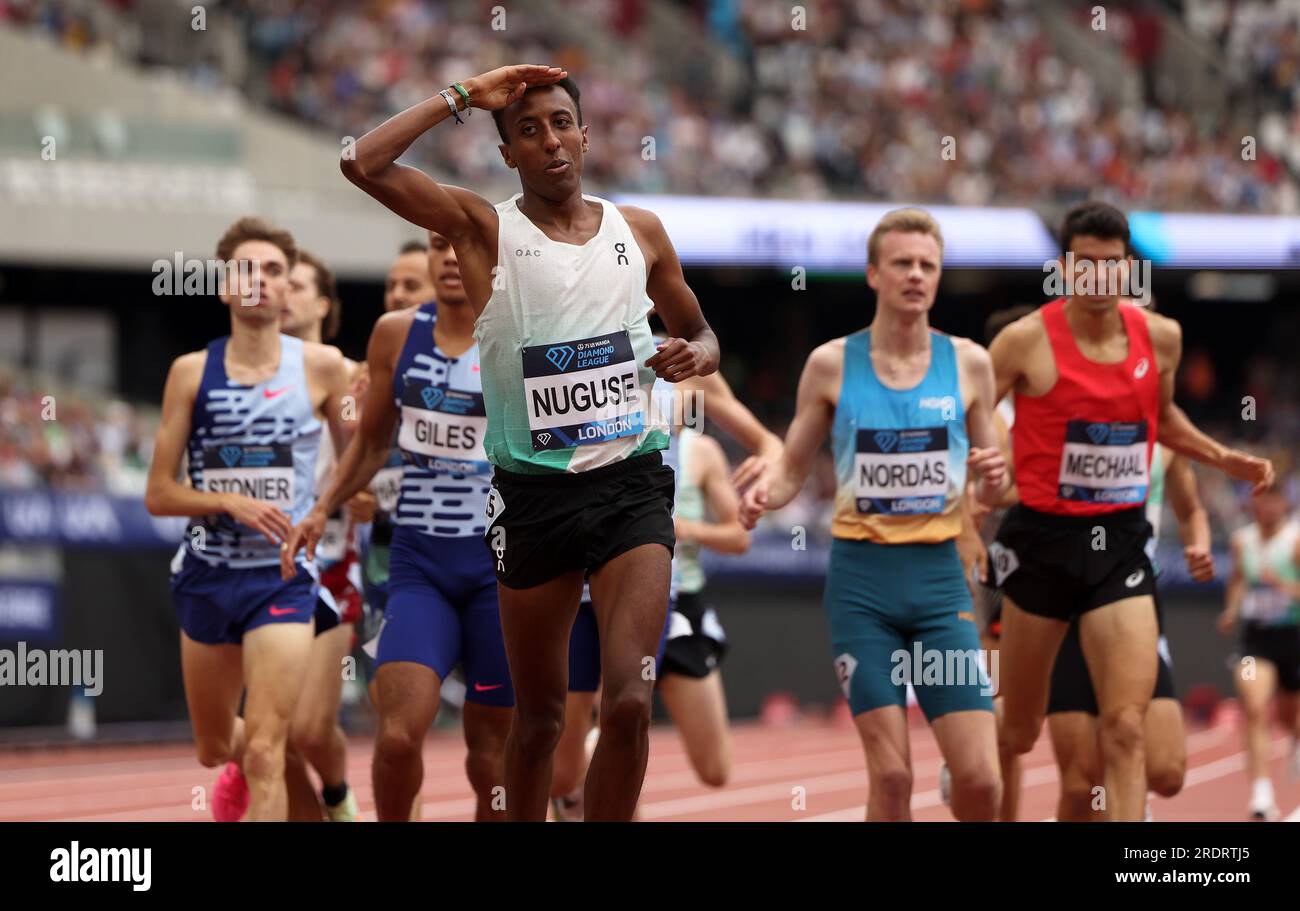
(814, 412)
(331, 371)
(368, 450)
(692, 348)
(724, 534)
(1193, 521)
(986, 459)
(458, 214)
(728, 412)
(1006, 351)
(1234, 591)
(165, 494)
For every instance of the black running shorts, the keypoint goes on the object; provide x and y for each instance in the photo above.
(696, 641)
(1278, 645)
(542, 526)
(1062, 566)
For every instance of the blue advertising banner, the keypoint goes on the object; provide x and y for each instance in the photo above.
(89, 519)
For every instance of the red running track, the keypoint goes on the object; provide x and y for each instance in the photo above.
(165, 782)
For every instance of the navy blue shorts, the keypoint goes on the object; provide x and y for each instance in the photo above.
(218, 604)
(584, 650)
(442, 611)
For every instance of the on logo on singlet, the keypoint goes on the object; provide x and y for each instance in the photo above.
(442, 428)
(1104, 462)
(261, 471)
(901, 472)
(582, 392)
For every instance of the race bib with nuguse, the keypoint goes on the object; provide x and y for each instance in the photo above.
(263, 471)
(582, 392)
(901, 472)
(1104, 462)
(443, 429)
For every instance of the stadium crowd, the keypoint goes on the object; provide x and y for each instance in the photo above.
(880, 85)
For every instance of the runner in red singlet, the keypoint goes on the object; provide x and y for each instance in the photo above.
(1093, 383)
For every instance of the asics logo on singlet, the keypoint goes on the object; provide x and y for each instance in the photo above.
(1141, 369)
(621, 250)
(526, 251)
(560, 356)
(1098, 433)
(431, 395)
(1133, 580)
(886, 440)
(230, 455)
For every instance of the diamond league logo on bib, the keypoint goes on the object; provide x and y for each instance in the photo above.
(431, 395)
(230, 455)
(560, 356)
(886, 440)
(582, 391)
(1098, 433)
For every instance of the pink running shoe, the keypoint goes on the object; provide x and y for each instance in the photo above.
(230, 795)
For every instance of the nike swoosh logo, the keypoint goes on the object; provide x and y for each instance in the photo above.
(480, 688)
(281, 611)
(272, 393)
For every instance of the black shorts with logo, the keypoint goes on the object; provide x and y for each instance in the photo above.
(1062, 566)
(696, 641)
(1279, 645)
(542, 526)
(1072, 684)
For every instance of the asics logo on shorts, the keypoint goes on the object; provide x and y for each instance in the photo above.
(1134, 580)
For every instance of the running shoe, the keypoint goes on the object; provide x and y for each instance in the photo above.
(230, 795)
(345, 810)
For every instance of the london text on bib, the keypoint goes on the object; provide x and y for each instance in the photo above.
(901, 472)
(443, 428)
(582, 392)
(263, 472)
(1104, 462)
